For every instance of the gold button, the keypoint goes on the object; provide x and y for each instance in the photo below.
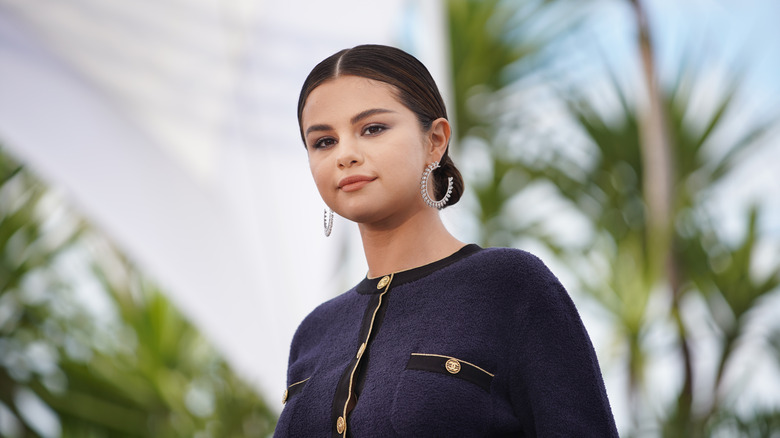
(340, 425)
(361, 350)
(453, 366)
(284, 397)
(383, 282)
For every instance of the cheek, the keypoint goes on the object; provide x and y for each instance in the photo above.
(318, 173)
(405, 172)
(411, 163)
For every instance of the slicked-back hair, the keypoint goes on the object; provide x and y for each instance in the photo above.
(415, 87)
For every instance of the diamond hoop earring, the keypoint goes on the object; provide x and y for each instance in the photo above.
(424, 188)
(328, 221)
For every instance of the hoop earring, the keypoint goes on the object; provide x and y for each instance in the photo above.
(424, 188)
(328, 221)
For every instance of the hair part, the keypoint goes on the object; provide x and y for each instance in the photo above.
(415, 87)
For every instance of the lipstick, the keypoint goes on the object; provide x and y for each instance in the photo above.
(354, 182)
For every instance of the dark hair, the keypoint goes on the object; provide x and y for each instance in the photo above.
(416, 90)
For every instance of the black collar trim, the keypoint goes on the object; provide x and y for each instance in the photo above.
(369, 285)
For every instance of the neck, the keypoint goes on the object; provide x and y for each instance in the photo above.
(417, 241)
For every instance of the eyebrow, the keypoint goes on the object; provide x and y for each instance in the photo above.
(357, 118)
(368, 113)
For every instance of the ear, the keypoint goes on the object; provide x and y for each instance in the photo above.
(439, 137)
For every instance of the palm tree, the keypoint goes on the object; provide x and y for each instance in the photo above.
(643, 192)
(493, 44)
(137, 369)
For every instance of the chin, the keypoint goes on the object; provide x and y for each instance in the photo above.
(356, 210)
(360, 217)
(362, 214)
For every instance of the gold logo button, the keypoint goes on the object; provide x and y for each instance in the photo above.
(383, 282)
(453, 366)
(340, 425)
(284, 397)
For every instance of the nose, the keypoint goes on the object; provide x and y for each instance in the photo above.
(349, 154)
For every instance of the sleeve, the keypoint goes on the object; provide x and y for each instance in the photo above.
(557, 387)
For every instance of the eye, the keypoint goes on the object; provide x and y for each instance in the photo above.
(374, 129)
(324, 143)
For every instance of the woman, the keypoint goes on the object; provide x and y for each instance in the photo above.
(441, 338)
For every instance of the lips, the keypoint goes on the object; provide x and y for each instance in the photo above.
(355, 182)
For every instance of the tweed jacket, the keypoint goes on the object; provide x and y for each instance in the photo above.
(483, 343)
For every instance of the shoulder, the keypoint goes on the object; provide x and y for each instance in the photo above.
(326, 319)
(513, 267)
(328, 311)
(511, 258)
(519, 282)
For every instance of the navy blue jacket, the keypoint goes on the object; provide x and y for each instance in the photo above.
(485, 342)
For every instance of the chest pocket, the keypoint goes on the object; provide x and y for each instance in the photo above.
(290, 399)
(441, 396)
(293, 389)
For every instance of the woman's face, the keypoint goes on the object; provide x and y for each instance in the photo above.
(367, 151)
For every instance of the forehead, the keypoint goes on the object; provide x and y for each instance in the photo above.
(346, 96)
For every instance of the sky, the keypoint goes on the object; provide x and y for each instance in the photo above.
(727, 39)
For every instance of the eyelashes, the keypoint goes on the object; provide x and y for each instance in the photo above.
(324, 143)
(371, 130)
(374, 129)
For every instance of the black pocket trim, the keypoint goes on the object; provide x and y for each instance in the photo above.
(451, 366)
(293, 389)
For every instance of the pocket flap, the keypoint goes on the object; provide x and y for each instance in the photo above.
(293, 389)
(449, 365)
